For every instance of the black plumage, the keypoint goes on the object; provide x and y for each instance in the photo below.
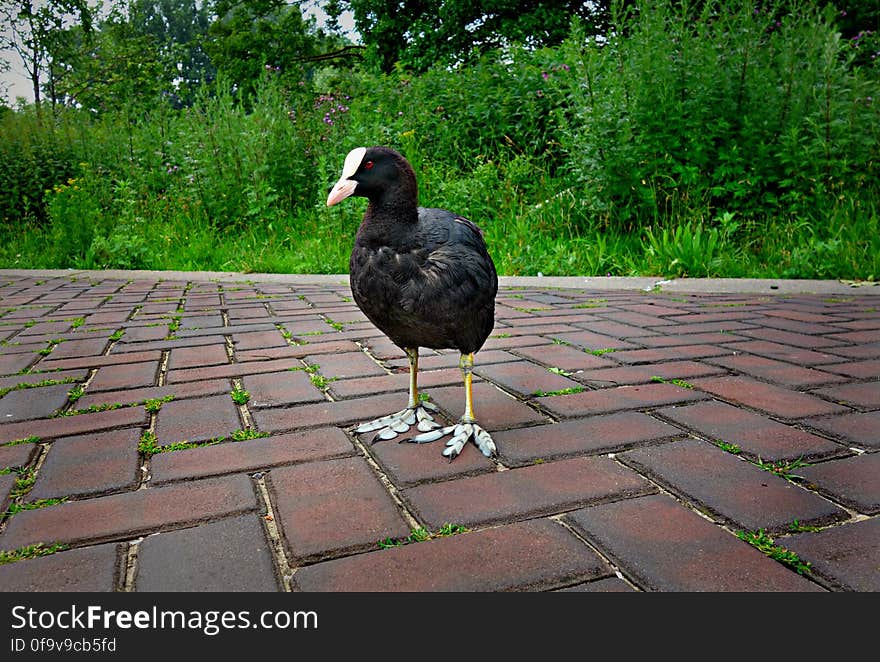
(423, 276)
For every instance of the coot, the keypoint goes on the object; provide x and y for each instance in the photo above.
(425, 278)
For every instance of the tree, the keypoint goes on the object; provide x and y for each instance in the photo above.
(34, 32)
(419, 34)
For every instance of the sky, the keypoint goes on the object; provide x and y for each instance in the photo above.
(15, 82)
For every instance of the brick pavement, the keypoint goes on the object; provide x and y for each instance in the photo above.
(641, 434)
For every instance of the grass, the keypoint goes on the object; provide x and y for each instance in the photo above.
(678, 382)
(765, 544)
(240, 396)
(149, 443)
(45, 382)
(728, 448)
(562, 391)
(421, 534)
(30, 552)
(783, 469)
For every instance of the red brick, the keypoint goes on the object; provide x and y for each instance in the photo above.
(594, 341)
(525, 378)
(341, 413)
(27, 404)
(13, 363)
(193, 357)
(50, 363)
(228, 555)
(757, 435)
(493, 409)
(618, 330)
(128, 375)
(349, 388)
(89, 464)
(866, 351)
(790, 338)
(138, 334)
(736, 491)
(333, 507)
(564, 357)
(796, 355)
(231, 370)
(680, 352)
(662, 546)
(197, 419)
(76, 348)
(18, 455)
(846, 556)
(616, 399)
(85, 569)
(347, 365)
(859, 429)
(66, 426)
(643, 374)
(776, 400)
(7, 483)
(672, 340)
(126, 515)
(538, 554)
(512, 342)
(140, 395)
(859, 369)
(258, 340)
(538, 489)
(865, 395)
(807, 328)
(296, 351)
(640, 319)
(778, 372)
(694, 328)
(281, 388)
(250, 455)
(597, 434)
(851, 481)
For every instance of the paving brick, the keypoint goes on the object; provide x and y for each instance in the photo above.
(341, 413)
(790, 338)
(27, 404)
(778, 372)
(640, 319)
(71, 349)
(194, 357)
(858, 429)
(773, 399)
(295, 351)
(126, 515)
(672, 340)
(597, 434)
(137, 334)
(427, 379)
(564, 357)
(643, 374)
(734, 490)
(281, 388)
(50, 364)
(866, 336)
(618, 330)
(538, 489)
(662, 546)
(865, 395)
(231, 370)
(85, 569)
(525, 378)
(857, 369)
(140, 395)
(679, 352)
(851, 481)
(607, 585)
(594, 341)
(7, 483)
(848, 555)
(534, 555)
(250, 455)
(197, 419)
(616, 399)
(757, 435)
(18, 455)
(493, 409)
(128, 375)
(89, 464)
(13, 363)
(258, 340)
(333, 507)
(66, 426)
(409, 463)
(514, 341)
(228, 555)
(345, 366)
(807, 328)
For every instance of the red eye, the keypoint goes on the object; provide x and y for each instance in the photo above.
(368, 165)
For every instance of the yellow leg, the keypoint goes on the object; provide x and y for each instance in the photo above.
(413, 355)
(467, 365)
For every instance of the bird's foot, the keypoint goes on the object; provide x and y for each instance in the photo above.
(461, 432)
(390, 426)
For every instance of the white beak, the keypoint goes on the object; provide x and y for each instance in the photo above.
(346, 186)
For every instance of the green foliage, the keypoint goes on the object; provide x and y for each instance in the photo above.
(694, 139)
(764, 543)
(29, 552)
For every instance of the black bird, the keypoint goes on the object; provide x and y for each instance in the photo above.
(425, 278)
